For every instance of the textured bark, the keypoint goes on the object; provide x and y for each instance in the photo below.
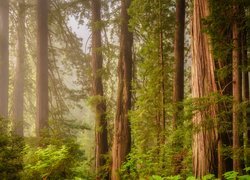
(101, 136)
(42, 67)
(18, 104)
(236, 90)
(4, 57)
(122, 140)
(178, 93)
(203, 84)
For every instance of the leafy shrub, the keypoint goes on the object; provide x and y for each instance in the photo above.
(10, 153)
(59, 157)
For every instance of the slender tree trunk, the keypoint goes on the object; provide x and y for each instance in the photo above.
(4, 57)
(163, 111)
(178, 94)
(122, 139)
(162, 114)
(42, 67)
(203, 84)
(158, 134)
(220, 159)
(101, 136)
(236, 90)
(19, 77)
(222, 38)
(162, 90)
(245, 88)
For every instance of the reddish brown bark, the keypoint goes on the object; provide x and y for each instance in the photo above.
(4, 57)
(42, 67)
(122, 140)
(203, 84)
(101, 135)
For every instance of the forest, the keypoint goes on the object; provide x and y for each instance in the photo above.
(124, 89)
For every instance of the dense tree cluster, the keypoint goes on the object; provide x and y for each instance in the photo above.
(155, 90)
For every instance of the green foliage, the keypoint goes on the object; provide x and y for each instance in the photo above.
(147, 157)
(155, 177)
(231, 175)
(61, 158)
(45, 162)
(247, 169)
(10, 153)
(209, 177)
(178, 177)
(191, 178)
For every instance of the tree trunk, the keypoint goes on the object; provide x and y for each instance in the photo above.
(178, 94)
(236, 90)
(42, 67)
(4, 57)
(203, 84)
(245, 88)
(101, 136)
(162, 91)
(122, 139)
(19, 77)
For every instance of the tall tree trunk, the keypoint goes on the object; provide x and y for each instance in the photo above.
(162, 90)
(178, 94)
(122, 139)
(42, 67)
(19, 77)
(203, 84)
(245, 86)
(4, 57)
(236, 89)
(101, 136)
(163, 111)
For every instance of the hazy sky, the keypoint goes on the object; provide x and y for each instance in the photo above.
(82, 31)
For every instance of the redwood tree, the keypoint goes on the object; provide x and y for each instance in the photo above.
(18, 104)
(4, 57)
(236, 88)
(178, 94)
(245, 85)
(122, 136)
(203, 84)
(42, 66)
(101, 136)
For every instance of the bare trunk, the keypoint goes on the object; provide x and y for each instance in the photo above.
(236, 91)
(101, 136)
(42, 67)
(158, 133)
(19, 77)
(178, 94)
(203, 84)
(4, 57)
(245, 89)
(220, 160)
(122, 139)
(162, 92)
